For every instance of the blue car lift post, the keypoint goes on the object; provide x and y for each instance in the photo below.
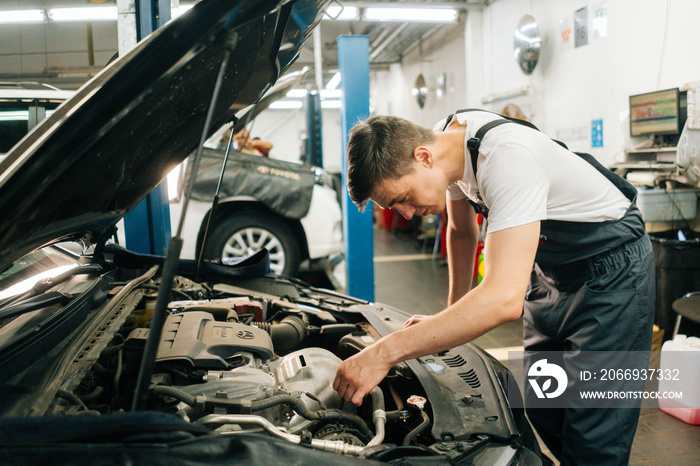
(353, 64)
(147, 226)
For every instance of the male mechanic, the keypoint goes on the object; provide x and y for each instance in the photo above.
(592, 284)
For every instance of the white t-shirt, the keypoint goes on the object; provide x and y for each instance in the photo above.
(524, 176)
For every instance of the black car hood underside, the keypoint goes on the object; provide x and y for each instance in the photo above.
(102, 151)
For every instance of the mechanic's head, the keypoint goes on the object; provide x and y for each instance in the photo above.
(242, 137)
(381, 148)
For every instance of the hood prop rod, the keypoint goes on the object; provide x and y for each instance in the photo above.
(172, 258)
(214, 205)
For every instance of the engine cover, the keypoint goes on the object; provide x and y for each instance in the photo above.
(197, 339)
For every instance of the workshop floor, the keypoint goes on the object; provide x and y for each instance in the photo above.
(409, 278)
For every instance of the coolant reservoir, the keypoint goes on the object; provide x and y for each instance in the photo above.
(680, 373)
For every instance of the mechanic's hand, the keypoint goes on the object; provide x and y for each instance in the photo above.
(413, 320)
(358, 375)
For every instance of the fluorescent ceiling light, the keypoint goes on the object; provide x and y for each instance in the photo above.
(15, 115)
(90, 13)
(330, 104)
(338, 13)
(334, 82)
(330, 93)
(286, 105)
(411, 14)
(297, 93)
(22, 16)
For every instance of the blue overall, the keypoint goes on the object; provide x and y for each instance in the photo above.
(592, 289)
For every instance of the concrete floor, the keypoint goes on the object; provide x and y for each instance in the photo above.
(409, 278)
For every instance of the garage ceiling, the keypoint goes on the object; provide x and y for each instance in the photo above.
(68, 54)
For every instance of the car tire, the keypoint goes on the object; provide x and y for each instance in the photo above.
(241, 234)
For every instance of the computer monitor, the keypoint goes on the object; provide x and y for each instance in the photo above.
(657, 113)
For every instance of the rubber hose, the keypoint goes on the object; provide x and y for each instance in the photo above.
(102, 371)
(276, 400)
(353, 419)
(175, 393)
(73, 398)
(287, 334)
(415, 432)
(97, 393)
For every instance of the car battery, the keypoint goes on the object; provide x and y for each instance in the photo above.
(680, 373)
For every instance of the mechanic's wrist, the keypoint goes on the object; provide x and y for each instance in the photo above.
(392, 349)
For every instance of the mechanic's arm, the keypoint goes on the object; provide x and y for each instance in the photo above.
(462, 237)
(509, 256)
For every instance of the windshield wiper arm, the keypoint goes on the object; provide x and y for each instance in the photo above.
(47, 283)
(36, 303)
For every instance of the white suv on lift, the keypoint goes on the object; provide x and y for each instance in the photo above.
(292, 210)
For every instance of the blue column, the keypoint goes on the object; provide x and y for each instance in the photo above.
(147, 226)
(353, 64)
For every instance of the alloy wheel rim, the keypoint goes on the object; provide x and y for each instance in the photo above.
(249, 240)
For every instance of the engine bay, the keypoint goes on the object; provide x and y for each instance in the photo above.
(259, 356)
(237, 360)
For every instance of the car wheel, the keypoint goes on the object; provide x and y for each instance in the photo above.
(241, 234)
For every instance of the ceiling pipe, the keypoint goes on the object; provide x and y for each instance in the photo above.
(388, 40)
(425, 36)
(379, 38)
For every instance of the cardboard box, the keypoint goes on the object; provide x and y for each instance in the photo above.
(657, 338)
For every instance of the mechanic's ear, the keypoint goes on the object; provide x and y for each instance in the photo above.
(422, 155)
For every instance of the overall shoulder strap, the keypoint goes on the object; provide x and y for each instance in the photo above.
(474, 143)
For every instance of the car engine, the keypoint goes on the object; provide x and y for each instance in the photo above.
(237, 360)
(260, 356)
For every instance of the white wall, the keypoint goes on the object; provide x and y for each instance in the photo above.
(643, 51)
(570, 86)
(431, 60)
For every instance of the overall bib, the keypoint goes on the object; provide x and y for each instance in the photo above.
(592, 289)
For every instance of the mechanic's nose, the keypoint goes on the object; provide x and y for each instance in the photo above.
(405, 211)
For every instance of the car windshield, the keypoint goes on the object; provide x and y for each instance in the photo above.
(44, 263)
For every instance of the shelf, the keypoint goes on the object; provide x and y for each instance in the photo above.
(651, 150)
(645, 166)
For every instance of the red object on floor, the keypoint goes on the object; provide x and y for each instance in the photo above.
(391, 220)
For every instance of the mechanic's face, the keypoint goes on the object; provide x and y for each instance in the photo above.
(421, 192)
(241, 137)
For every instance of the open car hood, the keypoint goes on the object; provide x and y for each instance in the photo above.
(103, 150)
